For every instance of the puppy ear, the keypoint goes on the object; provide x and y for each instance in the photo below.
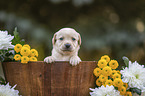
(54, 39)
(79, 41)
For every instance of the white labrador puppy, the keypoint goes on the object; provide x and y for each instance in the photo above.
(66, 43)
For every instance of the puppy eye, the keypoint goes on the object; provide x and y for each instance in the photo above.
(73, 39)
(60, 38)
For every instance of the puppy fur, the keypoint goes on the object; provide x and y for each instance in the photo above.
(66, 43)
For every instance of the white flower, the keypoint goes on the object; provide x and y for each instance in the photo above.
(134, 75)
(105, 91)
(6, 90)
(5, 40)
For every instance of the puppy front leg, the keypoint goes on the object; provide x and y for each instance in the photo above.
(49, 59)
(74, 60)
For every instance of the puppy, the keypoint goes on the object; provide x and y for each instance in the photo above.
(66, 43)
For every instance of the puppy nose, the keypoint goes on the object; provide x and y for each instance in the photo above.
(67, 45)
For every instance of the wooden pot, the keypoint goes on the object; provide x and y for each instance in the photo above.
(56, 79)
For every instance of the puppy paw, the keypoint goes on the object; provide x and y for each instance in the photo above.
(75, 60)
(49, 59)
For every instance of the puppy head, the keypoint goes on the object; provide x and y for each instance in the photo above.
(66, 41)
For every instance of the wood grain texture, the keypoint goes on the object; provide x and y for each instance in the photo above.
(57, 79)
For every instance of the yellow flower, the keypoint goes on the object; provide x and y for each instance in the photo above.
(113, 72)
(24, 62)
(103, 78)
(17, 48)
(113, 64)
(97, 72)
(34, 52)
(125, 85)
(117, 82)
(107, 71)
(25, 51)
(33, 59)
(118, 72)
(103, 83)
(106, 57)
(17, 57)
(122, 90)
(109, 82)
(26, 45)
(116, 75)
(102, 63)
(128, 93)
(24, 59)
(98, 82)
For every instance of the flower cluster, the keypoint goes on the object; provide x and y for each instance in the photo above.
(134, 75)
(7, 90)
(108, 76)
(104, 91)
(5, 40)
(6, 47)
(25, 53)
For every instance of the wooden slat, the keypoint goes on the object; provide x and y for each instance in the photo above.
(57, 79)
(47, 80)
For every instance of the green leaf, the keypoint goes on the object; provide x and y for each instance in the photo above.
(16, 34)
(22, 41)
(136, 90)
(9, 55)
(126, 61)
(2, 55)
(1, 58)
(17, 39)
(123, 67)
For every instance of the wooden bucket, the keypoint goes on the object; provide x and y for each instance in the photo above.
(56, 79)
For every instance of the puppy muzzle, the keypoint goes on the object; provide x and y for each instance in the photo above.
(67, 47)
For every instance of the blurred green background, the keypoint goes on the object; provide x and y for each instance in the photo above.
(112, 27)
